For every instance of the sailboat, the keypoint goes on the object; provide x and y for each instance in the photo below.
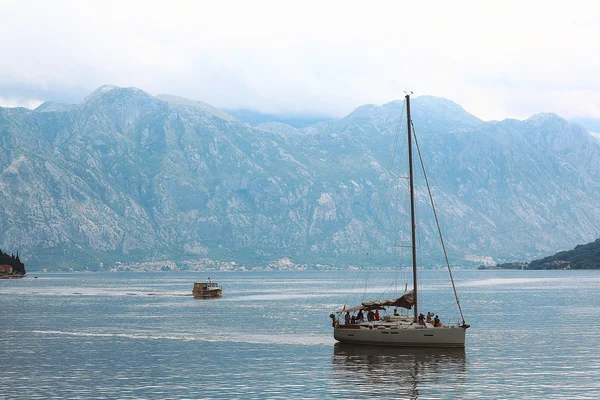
(395, 329)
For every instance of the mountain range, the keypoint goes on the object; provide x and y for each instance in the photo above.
(125, 176)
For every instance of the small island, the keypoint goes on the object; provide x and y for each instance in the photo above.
(11, 266)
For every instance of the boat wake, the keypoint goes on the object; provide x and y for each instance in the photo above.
(274, 339)
(93, 292)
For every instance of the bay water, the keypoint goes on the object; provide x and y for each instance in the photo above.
(534, 334)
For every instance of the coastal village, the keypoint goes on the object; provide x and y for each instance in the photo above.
(206, 264)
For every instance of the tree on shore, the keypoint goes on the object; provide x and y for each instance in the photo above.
(13, 261)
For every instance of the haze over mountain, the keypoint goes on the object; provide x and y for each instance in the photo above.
(591, 124)
(128, 176)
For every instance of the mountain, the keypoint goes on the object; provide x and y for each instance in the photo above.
(585, 256)
(126, 176)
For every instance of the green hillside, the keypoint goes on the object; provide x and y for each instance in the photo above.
(586, 256)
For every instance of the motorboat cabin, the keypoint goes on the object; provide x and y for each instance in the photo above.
(204, 290)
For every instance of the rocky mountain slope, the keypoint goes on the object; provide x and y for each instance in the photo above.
(128, 176)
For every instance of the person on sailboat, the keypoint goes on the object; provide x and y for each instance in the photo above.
(360, 317)
(347, 318)
(436, 322)
(370, 316)
(430, 317)
(377, 317)
(396, 312)
(422, 320)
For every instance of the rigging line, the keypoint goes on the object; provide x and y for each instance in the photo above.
(388, 182)
(395, 250)
(390, 173)
(403, 276)
(407, 218)
(369, 256)
(395, 197)
(396, 235)
(364, 295)
(438, 225)
(418, 242)
(352, 288)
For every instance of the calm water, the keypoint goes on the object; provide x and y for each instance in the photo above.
(535, 334)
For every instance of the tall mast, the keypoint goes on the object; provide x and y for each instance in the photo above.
(412, 205)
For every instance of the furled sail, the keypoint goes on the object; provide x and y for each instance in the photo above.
(406, 301)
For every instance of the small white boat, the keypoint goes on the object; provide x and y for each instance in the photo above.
(398, 330)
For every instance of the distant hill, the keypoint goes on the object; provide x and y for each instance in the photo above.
(585, 256)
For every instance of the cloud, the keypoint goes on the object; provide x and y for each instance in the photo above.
(14, 102)
(497, 59)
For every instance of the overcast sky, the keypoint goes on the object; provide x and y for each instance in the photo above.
(496, 59)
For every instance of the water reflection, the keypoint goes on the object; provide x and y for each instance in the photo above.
(398, 372)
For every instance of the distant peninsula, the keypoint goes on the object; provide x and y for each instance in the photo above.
(584, 256)
(11, 266)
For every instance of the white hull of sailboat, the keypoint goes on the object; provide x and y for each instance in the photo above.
(448, 336)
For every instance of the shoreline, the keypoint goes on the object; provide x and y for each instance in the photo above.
(12, 276)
